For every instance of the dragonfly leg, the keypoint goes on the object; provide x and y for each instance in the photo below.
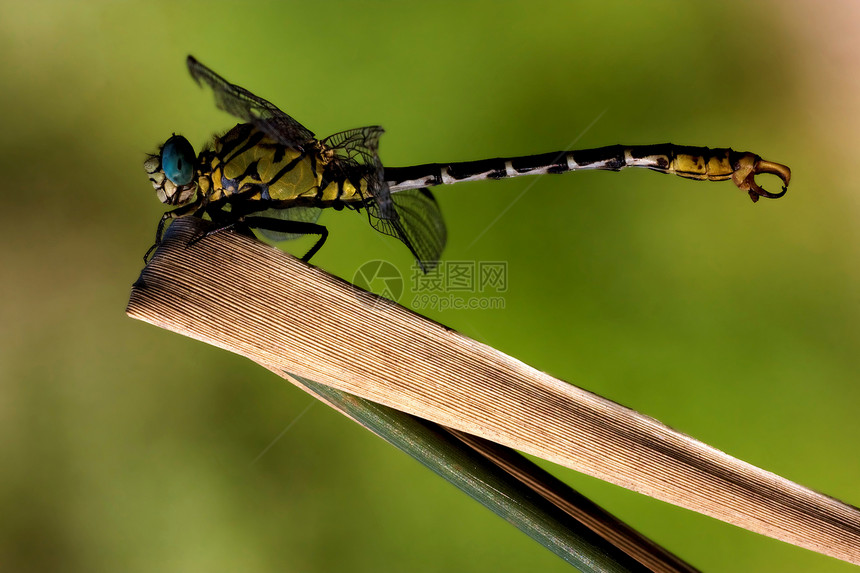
(293, 228)
(220, 228)
(183, 211)
(224, 220)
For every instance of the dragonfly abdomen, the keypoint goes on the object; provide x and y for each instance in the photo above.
(685, 161)
(701, 163)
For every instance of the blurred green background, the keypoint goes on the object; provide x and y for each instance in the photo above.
(125, 447)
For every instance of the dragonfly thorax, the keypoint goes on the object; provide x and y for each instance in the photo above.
(245, 162)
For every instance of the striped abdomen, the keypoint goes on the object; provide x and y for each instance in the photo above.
(700, 163)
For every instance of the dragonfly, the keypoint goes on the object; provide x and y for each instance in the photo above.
(271, 174)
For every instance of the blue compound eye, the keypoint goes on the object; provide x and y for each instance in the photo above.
(177, 160)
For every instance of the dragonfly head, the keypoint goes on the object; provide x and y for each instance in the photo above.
(172, 171)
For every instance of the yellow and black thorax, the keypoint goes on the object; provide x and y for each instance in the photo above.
(246, 164)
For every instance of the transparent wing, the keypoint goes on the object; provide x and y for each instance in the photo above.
(360, 145)
(303, 214)
(418, 224)
(252, 109)
(358, 149)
